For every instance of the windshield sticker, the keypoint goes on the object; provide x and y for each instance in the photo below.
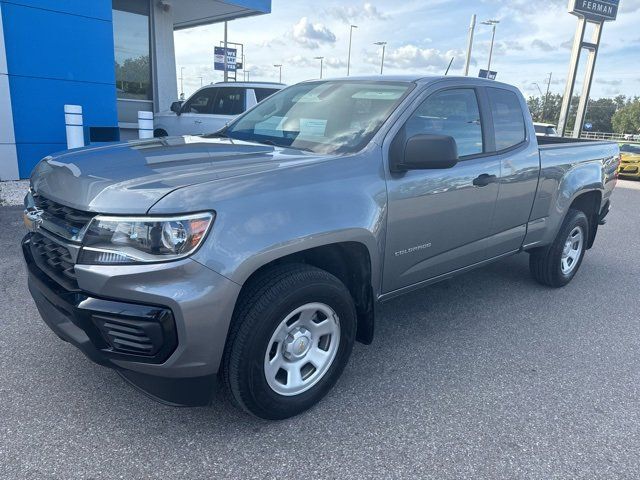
(311, 127)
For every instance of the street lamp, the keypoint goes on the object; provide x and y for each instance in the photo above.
(279, 66)
(384, 46)
(321, 62)
(350, 39)
(493, 23)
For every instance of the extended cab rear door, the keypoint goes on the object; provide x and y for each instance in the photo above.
(439, 219)
(517, 148)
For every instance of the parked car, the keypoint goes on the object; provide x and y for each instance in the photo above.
(545, 129)
(629, 161)
(211, 108)
(255, 257)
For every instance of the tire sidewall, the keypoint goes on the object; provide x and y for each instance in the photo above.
(574, 219)
(252, 377)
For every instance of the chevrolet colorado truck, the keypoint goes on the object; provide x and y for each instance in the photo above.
(254, 257)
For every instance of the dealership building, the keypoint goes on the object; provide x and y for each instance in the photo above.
(111, 57)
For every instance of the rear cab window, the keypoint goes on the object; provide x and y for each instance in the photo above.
(508, 119)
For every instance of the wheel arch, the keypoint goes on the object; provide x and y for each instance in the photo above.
(588, 202)
(349, 261)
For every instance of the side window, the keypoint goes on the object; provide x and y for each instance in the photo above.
(230, 101)
(450, 112)
(262, 93)
(200, 102)
(508, 121)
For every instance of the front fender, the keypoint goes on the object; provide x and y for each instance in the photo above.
(269, 215)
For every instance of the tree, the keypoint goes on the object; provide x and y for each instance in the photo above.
(599, 112)
(627, 119)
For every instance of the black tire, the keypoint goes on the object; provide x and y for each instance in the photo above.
(160, 133)
(545, 263)
(260, 310)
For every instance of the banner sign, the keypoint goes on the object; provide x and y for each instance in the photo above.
(218, 59)
(595, 9)
(491, 75)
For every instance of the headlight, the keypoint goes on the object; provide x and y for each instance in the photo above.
(126, 240)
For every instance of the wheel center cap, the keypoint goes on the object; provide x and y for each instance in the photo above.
(297, 343)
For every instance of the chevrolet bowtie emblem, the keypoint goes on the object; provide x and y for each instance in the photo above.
(32, 219)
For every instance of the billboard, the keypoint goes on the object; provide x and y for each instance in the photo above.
(489, 74)
(595, 9)
(218, 59)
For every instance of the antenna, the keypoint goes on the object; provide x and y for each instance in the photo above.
(450, 63)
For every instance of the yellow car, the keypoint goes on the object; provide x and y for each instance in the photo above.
(629, 161)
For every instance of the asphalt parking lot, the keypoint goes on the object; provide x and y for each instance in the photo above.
(488, 375)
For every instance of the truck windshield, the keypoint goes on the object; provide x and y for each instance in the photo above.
(323, 116)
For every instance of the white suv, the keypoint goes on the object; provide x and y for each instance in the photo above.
(211, 108)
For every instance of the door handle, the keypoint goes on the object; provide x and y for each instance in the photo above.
(484, 180)
(197, 122)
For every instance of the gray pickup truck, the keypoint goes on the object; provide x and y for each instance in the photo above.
(255, 256)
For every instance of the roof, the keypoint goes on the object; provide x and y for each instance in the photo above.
(418, 79)
(249, 84)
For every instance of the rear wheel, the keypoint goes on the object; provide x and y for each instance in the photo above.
(291, 337)
(159, 133)
(556, 265)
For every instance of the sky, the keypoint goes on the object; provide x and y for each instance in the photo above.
(533, 39)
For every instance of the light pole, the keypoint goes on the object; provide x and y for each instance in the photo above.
(472, 28)
(181, 83)
(349, 57)
(384, 46)
(321, 63)
(546, 97)
(279, 66)
(493, 23)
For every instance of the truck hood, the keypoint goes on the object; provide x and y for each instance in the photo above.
(131, 177)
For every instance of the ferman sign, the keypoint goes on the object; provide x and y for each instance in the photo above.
(596, 10)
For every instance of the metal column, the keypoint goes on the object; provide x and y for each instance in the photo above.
(571, 77)
(588, 78)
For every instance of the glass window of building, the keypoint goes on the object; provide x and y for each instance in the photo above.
(132, 49)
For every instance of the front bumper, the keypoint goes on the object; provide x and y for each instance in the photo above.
(181, 311)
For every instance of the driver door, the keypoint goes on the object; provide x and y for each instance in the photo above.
(439, 219)
(195, 112)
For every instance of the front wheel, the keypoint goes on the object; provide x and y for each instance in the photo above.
(556, 265)
(291, 337)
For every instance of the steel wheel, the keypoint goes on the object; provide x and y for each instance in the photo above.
(572, 250)
(302, 348)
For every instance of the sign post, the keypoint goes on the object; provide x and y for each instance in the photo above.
(587, 11)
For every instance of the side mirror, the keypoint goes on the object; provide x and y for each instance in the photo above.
(176, 107)
(426, 151)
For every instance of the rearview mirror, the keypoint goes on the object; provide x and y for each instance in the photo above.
(427, 151)
(176, 107)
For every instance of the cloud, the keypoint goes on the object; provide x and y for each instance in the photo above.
(613, 83)
(410, 57)
(542, 45)
(311, 35)
(365, 12)
(305, 61)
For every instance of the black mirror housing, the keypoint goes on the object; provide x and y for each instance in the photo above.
(176, 107)
(427, 151)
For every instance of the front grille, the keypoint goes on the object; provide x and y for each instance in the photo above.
(54, 259)
(75, 219)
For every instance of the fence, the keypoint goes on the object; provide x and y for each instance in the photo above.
(617, 137)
